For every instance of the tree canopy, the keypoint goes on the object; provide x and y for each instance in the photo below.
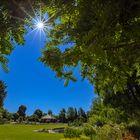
(22, 111)
(62, 115)
(39, 113)
(13, 17)
(105, 37)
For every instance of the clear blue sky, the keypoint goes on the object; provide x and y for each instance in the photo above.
(32, 84)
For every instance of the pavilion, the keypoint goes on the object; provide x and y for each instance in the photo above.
(48, 119)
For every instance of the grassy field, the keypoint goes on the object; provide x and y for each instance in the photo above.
(25, 132)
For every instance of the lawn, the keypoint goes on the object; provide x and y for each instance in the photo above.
(25, 132)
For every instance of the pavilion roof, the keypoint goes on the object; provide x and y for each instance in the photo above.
(49, 117)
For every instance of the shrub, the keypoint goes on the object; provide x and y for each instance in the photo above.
(108, 132)
(2, 121)
(72, 133)
(77, 123)
(135, 130)
(88, 131)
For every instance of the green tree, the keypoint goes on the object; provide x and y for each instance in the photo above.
(15, 116)
(62, 115)
(115, 112)
(33, 118)
(39, 113)
(22, 112)
(13, 17)
(3, 93)
(104, 41)
(101, 114)
(71, 114)
(11, 29)
(7, 115)
(82, 115)
(76, 113)
(50, 112)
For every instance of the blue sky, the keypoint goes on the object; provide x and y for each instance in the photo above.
(32, 84)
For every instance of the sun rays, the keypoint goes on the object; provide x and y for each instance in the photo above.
(37, 23)
(40, 25)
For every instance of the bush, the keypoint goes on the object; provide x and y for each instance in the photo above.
(108, 132)
(72, 133)
(2, 121)
(88, 131)
(135, 130)
(77, 123)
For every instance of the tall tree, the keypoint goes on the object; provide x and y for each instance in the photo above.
(82, 115)
(50, 112)
(22, 111)
(62, 115)
(7, 115)
(3, 93)
(15, 116)
(71, 114)
(76, 113)
(103, 38)
(39, 113)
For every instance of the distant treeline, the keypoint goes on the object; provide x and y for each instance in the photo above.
(71, 115)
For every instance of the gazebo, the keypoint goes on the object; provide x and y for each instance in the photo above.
(48, 119)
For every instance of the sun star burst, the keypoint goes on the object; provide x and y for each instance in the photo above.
(40, 25)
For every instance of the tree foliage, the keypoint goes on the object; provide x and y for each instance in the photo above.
(62, 115)
(115, 111)
(105, 37)
(22, 111)
(3, 93)
(71, 114)
(39, 113)
(13, 17)
(82, 115)
(50, 112)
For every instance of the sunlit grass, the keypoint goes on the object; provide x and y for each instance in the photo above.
(26, 132)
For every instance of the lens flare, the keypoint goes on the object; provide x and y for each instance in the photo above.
(40, 25)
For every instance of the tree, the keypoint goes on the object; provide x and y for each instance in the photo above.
(104, 41)
(71, 114)
(116, 110)
(3, 93)
(22, 112)
(7, 115)
(39, 113)
(10, 30)
(101, 114)
(50, 112)
(33, 118)
(15, 116)
(62, 115)
(76, 114)
(12, 20)
(82, 115)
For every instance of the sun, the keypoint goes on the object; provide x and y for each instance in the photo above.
(40, 25)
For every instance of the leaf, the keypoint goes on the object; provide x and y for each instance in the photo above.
(66, 82)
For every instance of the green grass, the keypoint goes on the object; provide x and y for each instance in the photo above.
(25, 132)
